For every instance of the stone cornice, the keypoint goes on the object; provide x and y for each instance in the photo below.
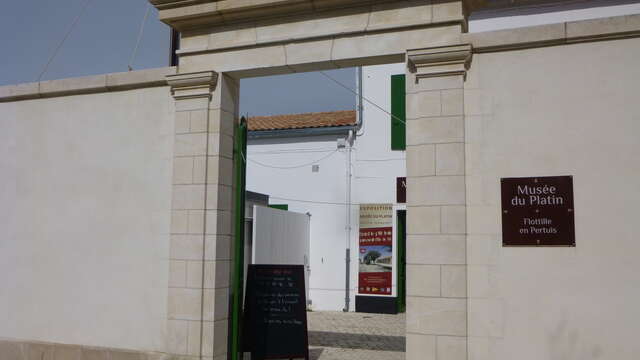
(87, 84)
(439, 61)
(189, 14)
(192, 85)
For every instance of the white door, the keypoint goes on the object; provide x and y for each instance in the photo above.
(281, 237)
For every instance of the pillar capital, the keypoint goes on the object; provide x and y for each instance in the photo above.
(439, 61)
(192, 85)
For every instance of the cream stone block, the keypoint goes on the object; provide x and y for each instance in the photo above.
(219, 170)
(302, 55)
(421, 347)
(219, 197)
(177, 336)
(338, 22)
(182, 119)
(179, 221)
(421, 160)
(446, 10)
(423, 220)
(199, 169)
(184, 304)
(221, 121)
(454, 219)
(217, 335)
(225, 37)
(226, 95)
(424, 104)
(127, 355)
(177, 273)
(19, 91)
(196, 222)
(139, 78)
(531, 34)
(436, 316)
(236, 60)
(217, 274)
(196, 103)
(435, 190)
(436, 249)
(407, 13)
(85, 84)
(217, 247)
(190, 144)
(450, 159)
(182, 170)
(423, 280)
(599, 27)
(392, 43)
(415, 85)
(218, 222)
(452, 347)
(36, 351)
(194, 274)
(452, 102)
(434, 130)
(186, 247)
(188, 197)
(454, 281)
(95, 354)
(220, 145)
(67, 352)
(194, 329)
(216, 304)
(198, 121)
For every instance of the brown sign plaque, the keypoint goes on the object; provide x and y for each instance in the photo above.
(537, 211)
(401, 190)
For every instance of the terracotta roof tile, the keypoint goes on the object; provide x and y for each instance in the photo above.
(302, 121)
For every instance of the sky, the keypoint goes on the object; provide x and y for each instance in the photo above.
(103, 41)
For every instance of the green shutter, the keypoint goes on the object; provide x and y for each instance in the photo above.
(284, 207)
(398, 126)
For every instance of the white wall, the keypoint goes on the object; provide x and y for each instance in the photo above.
(323, 194)
(564, 110)
(327, 220)
(549, 14)
(85, 191)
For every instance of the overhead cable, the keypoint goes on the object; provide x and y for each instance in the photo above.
(55, 51)
(290, 167)
(135, 49)
(356, 93)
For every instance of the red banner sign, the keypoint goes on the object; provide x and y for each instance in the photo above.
(376, 249)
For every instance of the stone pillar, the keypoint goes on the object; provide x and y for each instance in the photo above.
(201, 231)
(436, 204)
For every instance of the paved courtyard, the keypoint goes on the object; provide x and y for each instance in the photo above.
(355, 336)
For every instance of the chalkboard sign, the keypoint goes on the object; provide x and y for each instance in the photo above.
(275, 317)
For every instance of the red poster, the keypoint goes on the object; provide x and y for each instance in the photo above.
(375, 250)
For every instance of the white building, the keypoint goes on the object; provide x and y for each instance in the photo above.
(303, 161)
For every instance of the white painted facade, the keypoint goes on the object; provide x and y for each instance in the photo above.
(323, 193)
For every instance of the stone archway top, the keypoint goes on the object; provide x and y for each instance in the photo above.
(189, 14)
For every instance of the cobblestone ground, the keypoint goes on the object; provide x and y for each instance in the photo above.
(356, 336)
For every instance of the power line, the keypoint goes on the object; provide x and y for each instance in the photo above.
(356, 93)
(135, 49)
(55, 52)
(289, 167)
